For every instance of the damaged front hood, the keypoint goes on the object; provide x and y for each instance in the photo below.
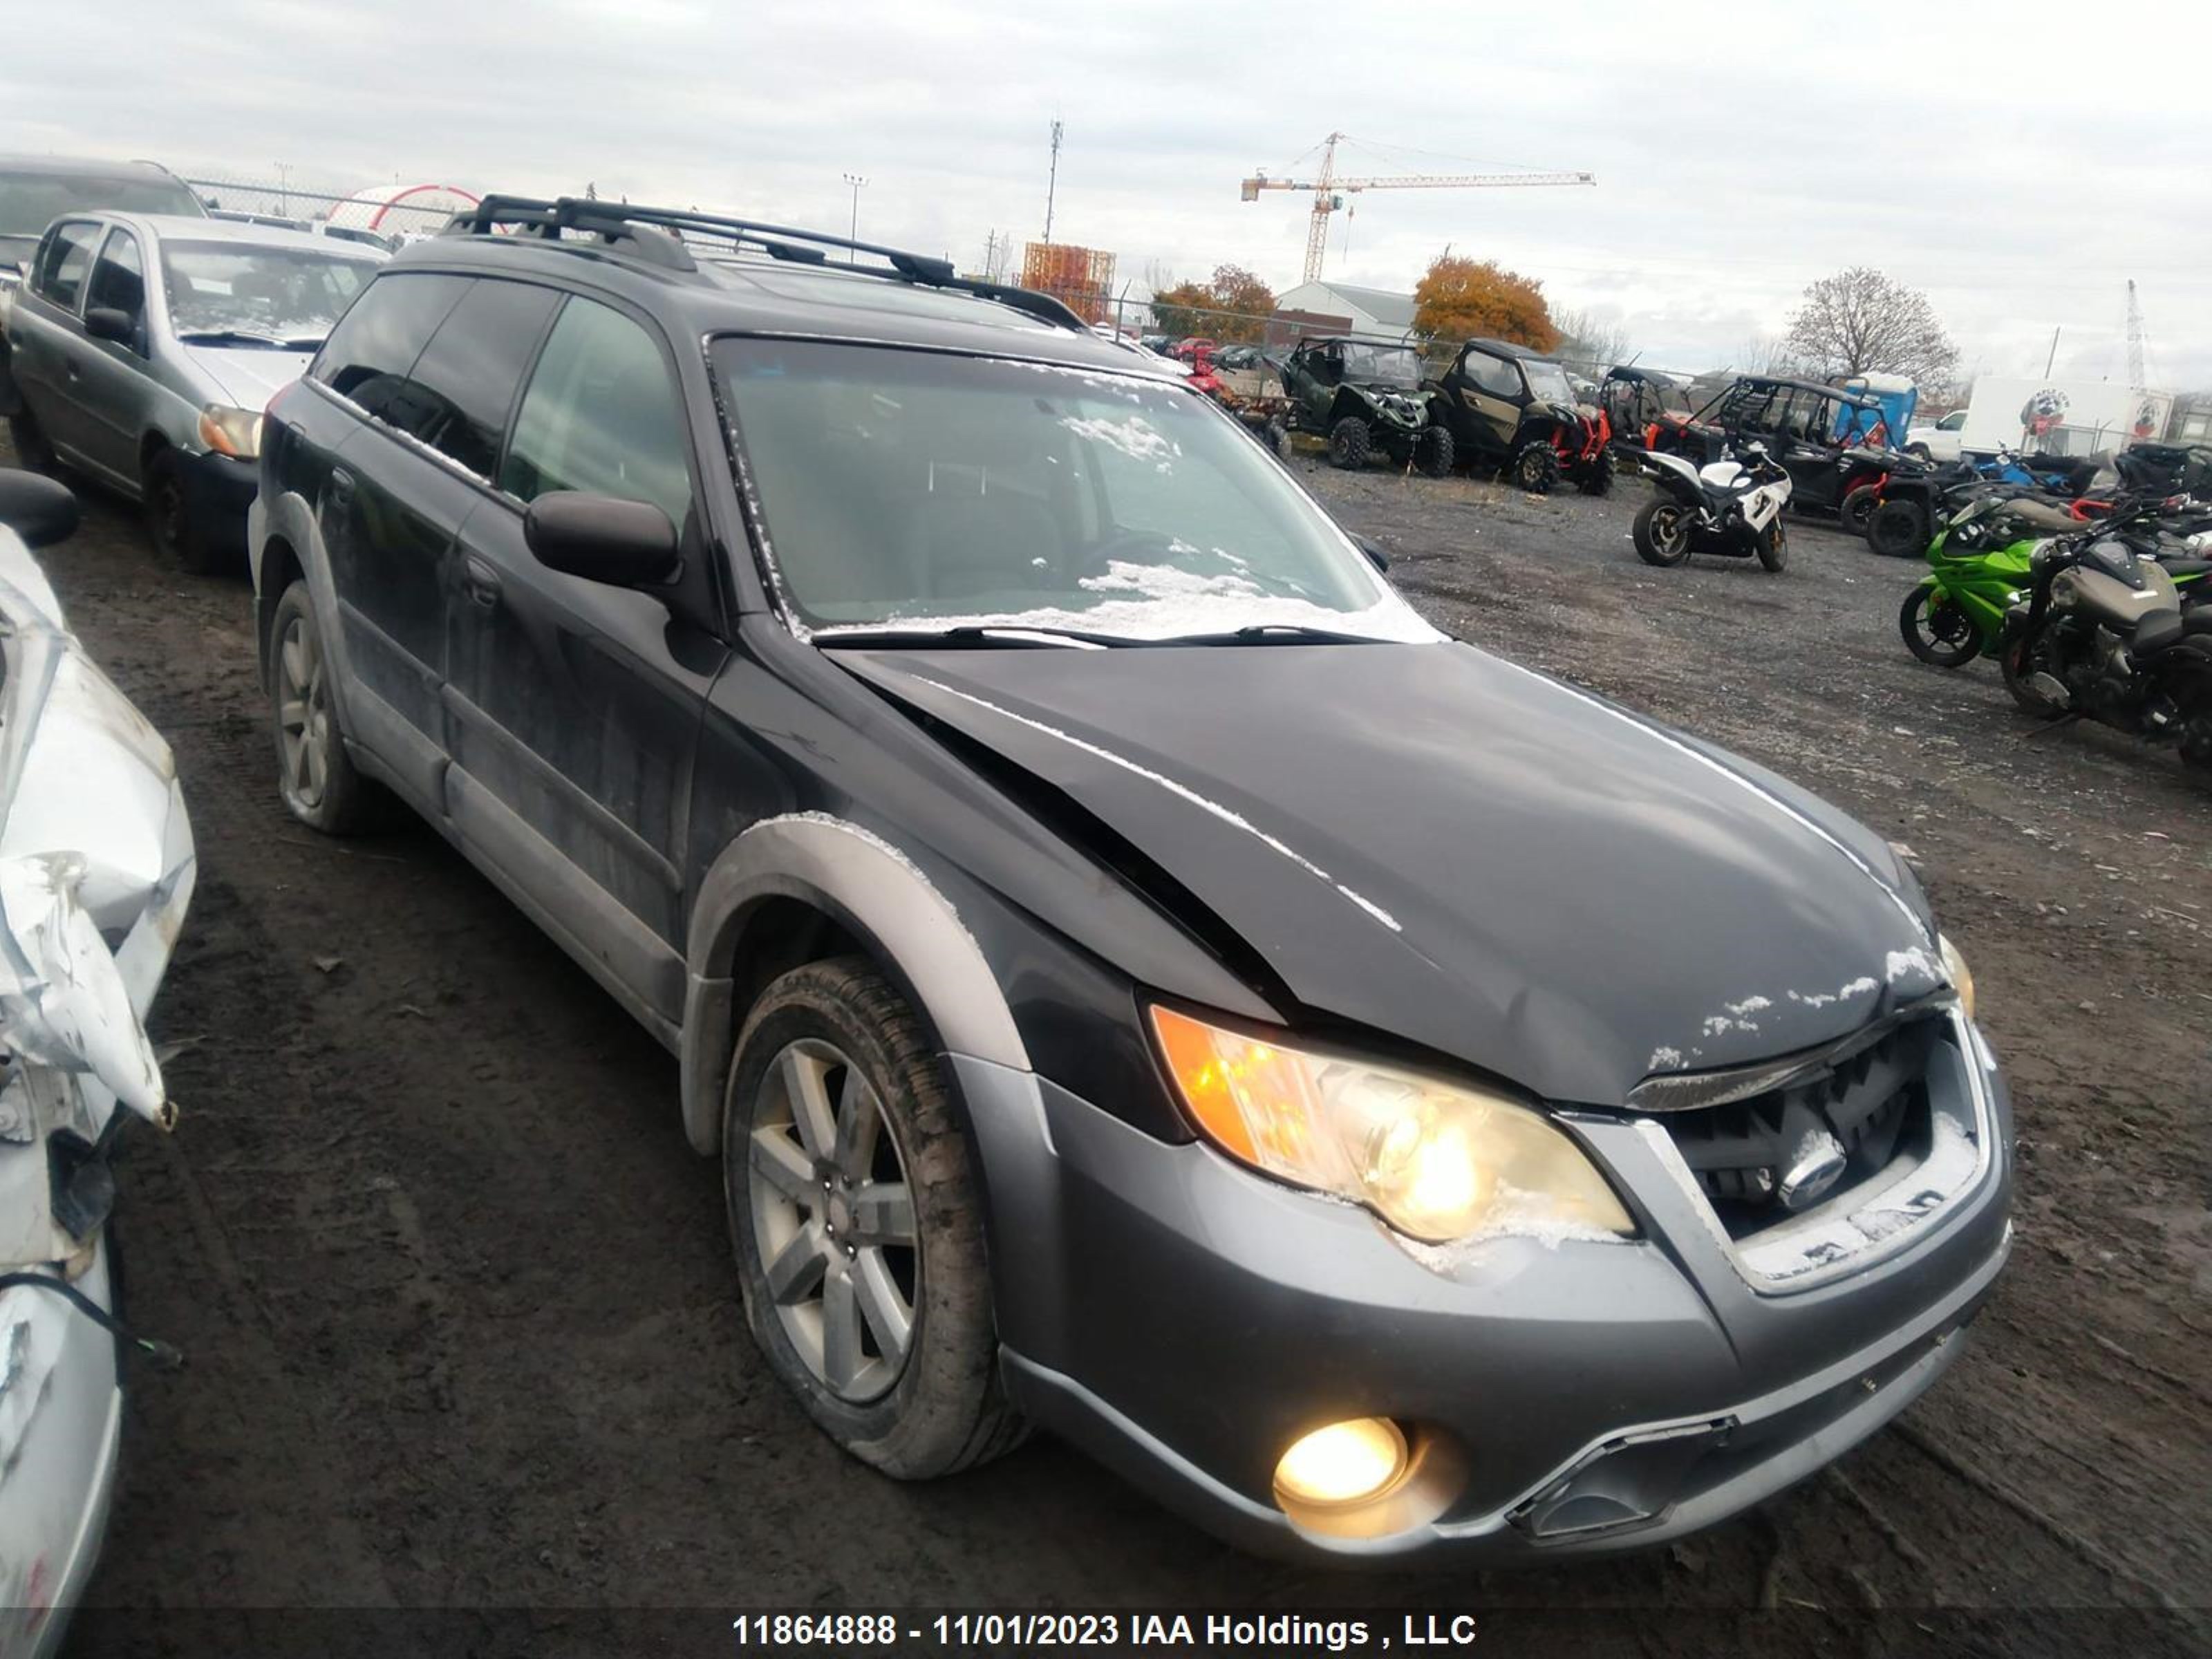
(1431, 842)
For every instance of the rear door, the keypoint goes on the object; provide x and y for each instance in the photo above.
(575, 705)
(45, 338)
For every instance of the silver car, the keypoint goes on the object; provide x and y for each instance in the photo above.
(145, 346)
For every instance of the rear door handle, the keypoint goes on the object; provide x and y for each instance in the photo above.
(480, 582)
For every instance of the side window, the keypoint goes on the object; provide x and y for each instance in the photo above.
(369, 354)
(1491, 374)
(603, 414)
(62, 264)
(461, 387)
(119, 280)
(1954, 422)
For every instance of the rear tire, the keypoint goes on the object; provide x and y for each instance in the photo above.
(1936, 629)
(33, 453)
(1773, 546)
(1898, 529)
(1349, 443)
(1662, 533)
(314, 773)
(1536, 467)
(177, 541)
(1278, 440)
(1433, 452)
(1857, 507)
(894, 1256)
(1597, 480)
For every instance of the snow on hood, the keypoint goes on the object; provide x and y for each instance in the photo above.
(247, 377)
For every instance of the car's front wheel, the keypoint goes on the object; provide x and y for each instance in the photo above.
(857, 1221)
(178, 539)
(314, 773)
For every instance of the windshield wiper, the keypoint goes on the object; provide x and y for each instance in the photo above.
(971, 636)
(1275, 633)
(244, 336)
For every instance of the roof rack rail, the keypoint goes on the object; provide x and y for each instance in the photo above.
(656, 235)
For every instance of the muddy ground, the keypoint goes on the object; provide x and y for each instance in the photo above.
(463, 1331)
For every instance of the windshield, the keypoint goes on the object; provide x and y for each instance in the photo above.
(1390, 365)
(1547, 381)
(29, 202)
(284, 295)
(913, 488)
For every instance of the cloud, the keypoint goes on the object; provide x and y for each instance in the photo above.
(1740, 153)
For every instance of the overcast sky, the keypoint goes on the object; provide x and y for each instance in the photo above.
(2019, 166)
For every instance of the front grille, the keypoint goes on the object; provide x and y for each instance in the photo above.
(1874, 1102)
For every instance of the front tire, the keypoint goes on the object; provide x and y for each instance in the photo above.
(314, 773)
(1857, 507)
(1536, 467)
(857, 1220)
(1773, 546)
(1349, 443)
(178, 541)
(1661, 533)
(1920, 450)
(1898, 529)
(1433, 452)
(1936, 629)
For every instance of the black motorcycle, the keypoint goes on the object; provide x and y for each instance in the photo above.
(2104, 633)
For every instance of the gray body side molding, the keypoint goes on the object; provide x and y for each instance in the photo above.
(871, 888)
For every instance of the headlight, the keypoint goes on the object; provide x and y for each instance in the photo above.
(232, 432)
(1962, 978)
(1438, 1161)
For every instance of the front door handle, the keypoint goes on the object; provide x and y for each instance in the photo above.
(341, 491)
(481, 583)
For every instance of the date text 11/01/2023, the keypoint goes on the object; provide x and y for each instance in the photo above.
(1207, 1632)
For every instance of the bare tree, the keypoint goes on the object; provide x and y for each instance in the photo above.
(1585, 339)
(1860, 322)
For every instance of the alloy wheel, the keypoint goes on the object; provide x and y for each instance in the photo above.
(833, 1219)
(303, 714)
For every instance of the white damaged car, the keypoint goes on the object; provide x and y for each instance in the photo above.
(96, 868)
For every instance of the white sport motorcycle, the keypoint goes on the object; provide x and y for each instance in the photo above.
(1729, 508)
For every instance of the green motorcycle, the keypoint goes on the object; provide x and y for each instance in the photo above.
(1978, 570)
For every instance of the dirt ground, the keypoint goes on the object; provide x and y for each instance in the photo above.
(463, 1331)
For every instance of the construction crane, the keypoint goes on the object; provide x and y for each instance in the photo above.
(1329, 191)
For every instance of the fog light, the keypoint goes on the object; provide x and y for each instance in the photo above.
(1343, 1463)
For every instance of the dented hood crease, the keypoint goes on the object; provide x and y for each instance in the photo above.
(1433, 842)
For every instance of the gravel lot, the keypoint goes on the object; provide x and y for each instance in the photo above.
(462, 1329)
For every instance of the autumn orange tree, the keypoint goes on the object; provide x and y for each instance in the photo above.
(1461, 298)
(1186, 308)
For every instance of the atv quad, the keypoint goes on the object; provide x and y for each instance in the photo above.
(1365, 397)
(1512, 408)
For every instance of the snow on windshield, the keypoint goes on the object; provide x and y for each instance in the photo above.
(925, 490)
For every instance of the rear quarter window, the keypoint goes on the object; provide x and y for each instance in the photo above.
(372, 351)
(464, 383)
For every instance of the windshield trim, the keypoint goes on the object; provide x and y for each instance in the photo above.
(779, 601)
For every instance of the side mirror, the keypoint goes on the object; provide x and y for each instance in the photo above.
(601, 539)
(39, 510)
(1376, 556)
(107, 323)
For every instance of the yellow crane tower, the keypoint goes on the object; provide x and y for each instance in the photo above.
(1329, 191)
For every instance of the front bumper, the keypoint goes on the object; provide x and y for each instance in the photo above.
(218, 491)
(55, 1497)
(1185, 1320)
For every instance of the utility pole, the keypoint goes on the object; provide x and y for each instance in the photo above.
(1052, 184)
(858, 184)
(284, 192)
(2053, 357)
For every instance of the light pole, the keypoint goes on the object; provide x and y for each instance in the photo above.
(858, 184)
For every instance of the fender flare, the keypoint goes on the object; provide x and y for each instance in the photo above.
(290, 520)
(872, 890)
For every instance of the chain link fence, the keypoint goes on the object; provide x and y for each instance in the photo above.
(371, 212)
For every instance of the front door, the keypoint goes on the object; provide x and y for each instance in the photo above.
(1486, 394)
(575, 705)
(117, 393)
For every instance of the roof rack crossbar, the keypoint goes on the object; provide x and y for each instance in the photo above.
(624, 220)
